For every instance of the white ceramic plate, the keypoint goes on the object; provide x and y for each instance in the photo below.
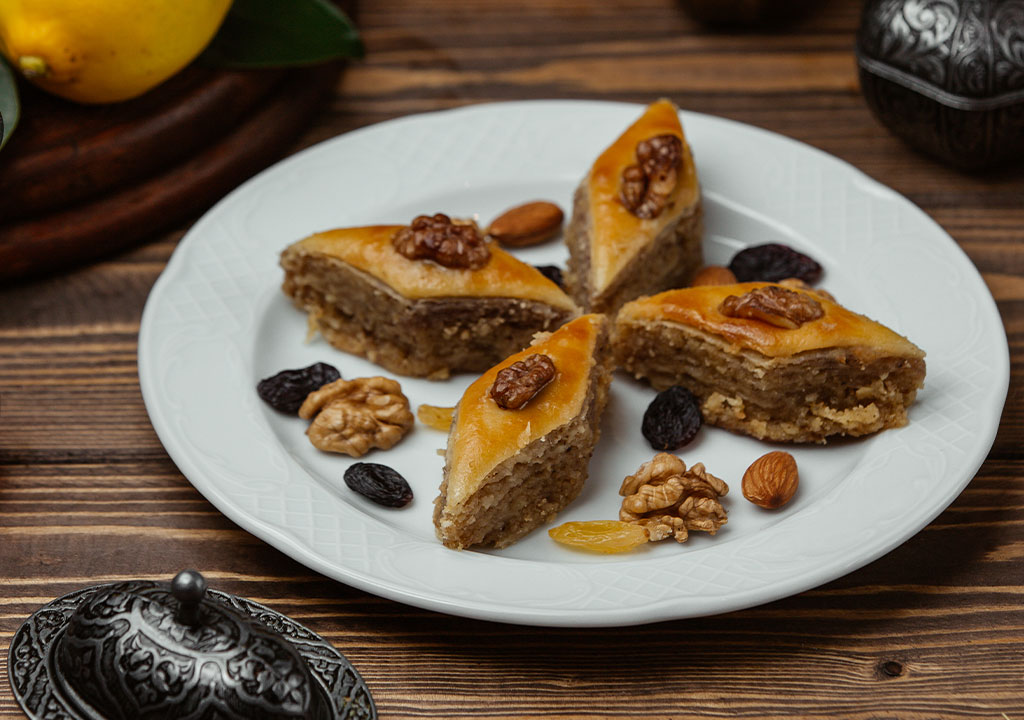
(217, 322)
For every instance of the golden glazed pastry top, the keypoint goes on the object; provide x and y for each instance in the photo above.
(698, 307)
(485, 435)
(369, 249)
(616, 234)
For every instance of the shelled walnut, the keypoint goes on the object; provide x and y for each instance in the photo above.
(775, 305)
(646, 186)
(517, 384)
(670, 500)
(353, 416)
(437, 237)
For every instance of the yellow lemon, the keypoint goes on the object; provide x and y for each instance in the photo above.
(101, 51)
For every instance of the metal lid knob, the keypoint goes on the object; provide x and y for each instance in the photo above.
(188, 588)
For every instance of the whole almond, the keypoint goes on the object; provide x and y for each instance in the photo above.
(529, 224)
(713, 275)
(771, 480)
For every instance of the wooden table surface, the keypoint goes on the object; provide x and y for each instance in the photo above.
(934, 629)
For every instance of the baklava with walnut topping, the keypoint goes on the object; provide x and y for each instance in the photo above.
(776, 361)
(522, 436)
(427, 299)
(637, 220)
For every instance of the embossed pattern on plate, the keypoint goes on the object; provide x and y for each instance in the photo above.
(216, 322)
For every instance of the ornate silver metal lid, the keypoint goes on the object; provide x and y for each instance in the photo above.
(963, 54)
(947, 76)
(149, 651)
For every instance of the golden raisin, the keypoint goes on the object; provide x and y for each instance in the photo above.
(439, 418)
(602, 536)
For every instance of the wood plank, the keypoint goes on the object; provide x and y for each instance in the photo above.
(143, 197)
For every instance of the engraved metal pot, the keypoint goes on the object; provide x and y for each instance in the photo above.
(149, 651)
(947, 76)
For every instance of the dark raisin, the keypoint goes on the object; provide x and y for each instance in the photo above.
(379, 483)
(672, 419)
(774, 262)
(288, 389)
(552, 273)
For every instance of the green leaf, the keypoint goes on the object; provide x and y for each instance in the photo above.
(283, 33)
(10, 107)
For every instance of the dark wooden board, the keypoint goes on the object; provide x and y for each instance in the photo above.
(77, 182)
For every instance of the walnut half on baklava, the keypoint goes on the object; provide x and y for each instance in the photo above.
(427, 300)
(774, 361)
(522, 437)
(637, 218)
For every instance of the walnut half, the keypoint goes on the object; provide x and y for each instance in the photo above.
(436, 237)
(647, 185)
(517, 384)
(352, 416)
(667, 499)
(775, 305)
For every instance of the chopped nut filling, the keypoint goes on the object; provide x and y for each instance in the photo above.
(517, 384)
(775, 305)
(436, 237)
(647, 185)
(667, 499)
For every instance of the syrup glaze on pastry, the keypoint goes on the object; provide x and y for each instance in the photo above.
(616, 229)
(415, 316)
(616, 255)
(700, 308)
(370, 249)
(836, 373)
(508, 471)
